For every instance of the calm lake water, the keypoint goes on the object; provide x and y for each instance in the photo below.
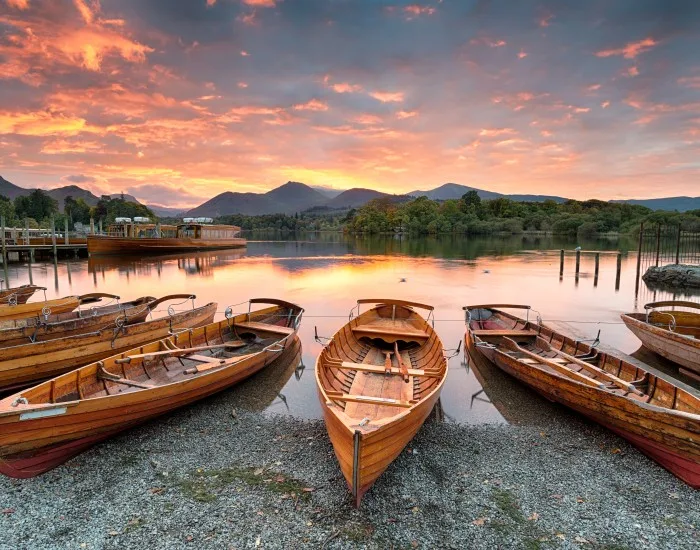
(327, 273)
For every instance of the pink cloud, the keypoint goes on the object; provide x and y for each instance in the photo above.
(415, 10)
(690, 81)
(346, 88)
(311, 105)
(388, 97)
(367, 119)
(631, 49)
(406, 114)
(493, 132)
(522, 54)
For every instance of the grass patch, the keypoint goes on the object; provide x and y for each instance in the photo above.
(205, 485)
(508, 504)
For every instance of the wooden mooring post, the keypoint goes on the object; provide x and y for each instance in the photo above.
(578, 262)
(561, 263)
(658, 244)
(26, 231)
(619, 270)
(53, 237)
(66, 240)
(4, 244)
(639, 258)
(92, 226)
(678, 245)
(597, 269)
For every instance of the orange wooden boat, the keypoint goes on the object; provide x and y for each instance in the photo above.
(132, 238)
(656, 415)
(26, 364)
(80, 321)
(673, 334)
(378, 379)
(18, 294)
(45, 308)
(46, 425)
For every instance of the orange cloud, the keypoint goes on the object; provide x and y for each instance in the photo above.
(260, 3)
(522, 54)
(388, 97)
(86, 12)
(311, 105)
(406, 114)
(19, 4)
(631, 49)
(40, 123)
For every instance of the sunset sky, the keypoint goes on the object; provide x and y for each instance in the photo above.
(175, 101)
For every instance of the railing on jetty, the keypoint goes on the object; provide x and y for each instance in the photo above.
(663, 245)
(596, 270)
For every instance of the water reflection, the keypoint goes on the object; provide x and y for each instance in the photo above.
(326, 273)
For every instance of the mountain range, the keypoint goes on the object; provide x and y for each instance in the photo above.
(296, 197)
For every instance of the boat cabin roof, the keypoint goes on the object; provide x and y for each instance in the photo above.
(234, 227)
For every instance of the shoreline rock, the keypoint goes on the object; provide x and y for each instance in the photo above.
(673, 275)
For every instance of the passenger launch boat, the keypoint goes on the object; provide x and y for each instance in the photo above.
(142, 237)
(19, 294)
(26, 364)
(378, 379)
(673, 334)
(654, 414)
(46, 425)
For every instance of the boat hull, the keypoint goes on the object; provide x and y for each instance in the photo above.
(103, 245)
(32, 447)
(24, 365)
(377, 449)
(671, 440)
(32, 309)
(674, 347)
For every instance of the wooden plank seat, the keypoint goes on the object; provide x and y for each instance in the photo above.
(206, 358)
(384, 401)
(389, 331)
(504, 332)
(363, 367)
(274, 329)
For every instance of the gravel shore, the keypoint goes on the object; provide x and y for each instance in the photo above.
(218, 475)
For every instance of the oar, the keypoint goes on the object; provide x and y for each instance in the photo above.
(402, 367)
(235, 345)
(619, 382)
(222, 363)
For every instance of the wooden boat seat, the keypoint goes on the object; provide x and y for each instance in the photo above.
(274, 329)
(363, 367)
(391, 330)
(364, 399)
(503, 332)
(205, 358)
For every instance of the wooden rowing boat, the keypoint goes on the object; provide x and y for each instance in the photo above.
(27, 364)
(378, 379)
(18, 294)
(40, 329)
(673, 334)
(46, 425)
(656, 415)
(45, 308)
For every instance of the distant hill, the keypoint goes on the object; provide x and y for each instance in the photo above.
(682, 204)
(450, 191)
(166, 211)
(12, 191)
(355, 197)
(287, 199)
(327, 191)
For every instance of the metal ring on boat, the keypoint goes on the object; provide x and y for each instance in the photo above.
(12, 300)
(46, 311)
(171, 311)
(229, 312)
(19, 400)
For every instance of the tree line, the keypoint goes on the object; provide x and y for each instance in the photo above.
(472, 215)
(38, 208)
